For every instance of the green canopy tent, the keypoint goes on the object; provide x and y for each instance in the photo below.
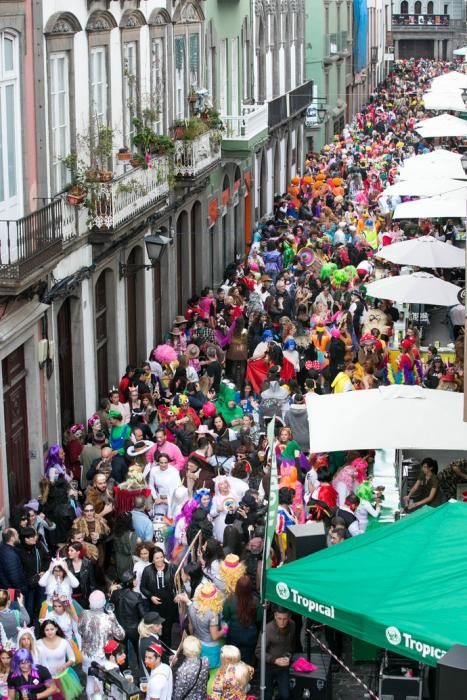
(402, 587)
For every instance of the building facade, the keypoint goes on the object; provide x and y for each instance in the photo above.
(79, 297)
(431, 29)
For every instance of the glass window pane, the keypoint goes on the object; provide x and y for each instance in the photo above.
(8, 49)
(11, 138)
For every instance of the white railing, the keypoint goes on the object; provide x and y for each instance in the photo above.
(69, 216)
(192, 157)
(114, 203)
(252, 122)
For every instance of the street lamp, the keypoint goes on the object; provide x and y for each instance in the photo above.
(155, 243)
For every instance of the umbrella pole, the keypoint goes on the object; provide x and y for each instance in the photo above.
(262, 677)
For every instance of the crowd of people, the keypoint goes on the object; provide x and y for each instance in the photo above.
(142, 555)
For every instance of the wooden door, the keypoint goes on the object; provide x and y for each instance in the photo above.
(101, 336)
(65, 365)
(131, 313)
(16, 427)
(180, 299)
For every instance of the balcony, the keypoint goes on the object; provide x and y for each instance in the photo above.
(277, 111)
(195, 157)
(113, 204)
(300, 98)
(247, 131)
(30, 244)
(420, 22)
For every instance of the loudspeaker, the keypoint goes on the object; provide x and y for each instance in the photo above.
(452, 674)
(316, 685)
(306, 539)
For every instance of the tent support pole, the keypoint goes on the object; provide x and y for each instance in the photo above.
(263, 654)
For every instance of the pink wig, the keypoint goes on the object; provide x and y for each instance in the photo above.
(361, 467)
(187, 511)
(164, 354)
(346, 476)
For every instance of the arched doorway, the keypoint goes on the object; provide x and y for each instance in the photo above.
(195, 238)
(135, 308)
(263, 195)
(237, 213)
(65, 365)
(104, 324)
(226, 232)
(261, 61)
(182, 238)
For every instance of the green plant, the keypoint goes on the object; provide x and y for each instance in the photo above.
(77, 169)
(194, 127)
(103, 146)
(214, 120)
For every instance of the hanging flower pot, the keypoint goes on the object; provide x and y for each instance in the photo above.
(104, 175)
(76, 196)
(123, 154)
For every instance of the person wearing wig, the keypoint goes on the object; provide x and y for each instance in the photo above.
(230, 571)
(27, 640)
(348, 478)
(232, 678)
(55, 464)
(204, 499)
(225, 500)
(177, 543)
(59, 583)
(285, 517)
(366, 508)
(205, 617)
(28, 679)
(323, 497)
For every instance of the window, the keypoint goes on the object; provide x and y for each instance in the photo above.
(194, 59)
(130, 82)
(418, 8)
(246, 67)
(446, 9)
(235, 108)
(9, 113)
(59, 117)
(179, 45)
(429, 8)
(158, 82)
(98, 84)
(223, 77)
(404, 7)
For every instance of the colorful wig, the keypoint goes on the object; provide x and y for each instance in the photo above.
(365, 492)
(53, 459)
(20, 657)
(165, 354)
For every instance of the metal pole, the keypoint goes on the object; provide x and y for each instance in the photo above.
(263, 655)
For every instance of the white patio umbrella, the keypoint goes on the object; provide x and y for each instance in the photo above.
(452, 79)
(444, 99)
(442, 126)
(425, 251)
(460, 52)
(431, 208)
(420, 187)
(434, 165)
(417, 288)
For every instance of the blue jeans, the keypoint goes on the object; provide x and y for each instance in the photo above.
(281, 676)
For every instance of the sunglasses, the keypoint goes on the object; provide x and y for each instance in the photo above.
(89, 510)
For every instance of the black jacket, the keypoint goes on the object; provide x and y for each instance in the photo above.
(129, 608)
(34, 560)
(149, 586)
(87, 580)
(11, 569)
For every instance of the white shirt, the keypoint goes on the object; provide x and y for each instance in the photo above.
(363, 511)
(457, 315)
(160, 683)
(163, 482)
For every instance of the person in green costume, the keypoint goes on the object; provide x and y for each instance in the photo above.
(120, 432)
(287, 254)
(227, 406)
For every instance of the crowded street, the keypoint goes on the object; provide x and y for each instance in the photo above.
(233, 426)
(143, 552)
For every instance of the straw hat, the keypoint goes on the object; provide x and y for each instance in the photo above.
(192, 351)
(139, 448)
(207, 591)
(175, 331)
(179, 320)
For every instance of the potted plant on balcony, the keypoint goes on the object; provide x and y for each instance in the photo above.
(76, 190)
(213, 119)
(124, 154)
(102, 152)
(178, 129)
(194, 127)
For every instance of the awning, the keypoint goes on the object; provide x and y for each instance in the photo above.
(402, 587)
(397, 416)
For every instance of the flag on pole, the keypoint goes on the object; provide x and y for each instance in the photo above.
(273, 502)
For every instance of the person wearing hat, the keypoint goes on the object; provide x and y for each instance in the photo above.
(115, 657)
(162, 445)
(160, 683)
(96, 627)
(150, 630)
(120, 433)
(205, 615)
(129, 607)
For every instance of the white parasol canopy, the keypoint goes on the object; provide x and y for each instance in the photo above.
(444, 99)
(442, 126)
(431, 208)
(417, 288)
(419, 187)
(452, 79)
(425, 251)
(397, 417)
(436, 164)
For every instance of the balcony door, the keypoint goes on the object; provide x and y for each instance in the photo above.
(135, 308)
(16, 427)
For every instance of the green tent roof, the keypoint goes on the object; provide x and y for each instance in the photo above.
(402, 587)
